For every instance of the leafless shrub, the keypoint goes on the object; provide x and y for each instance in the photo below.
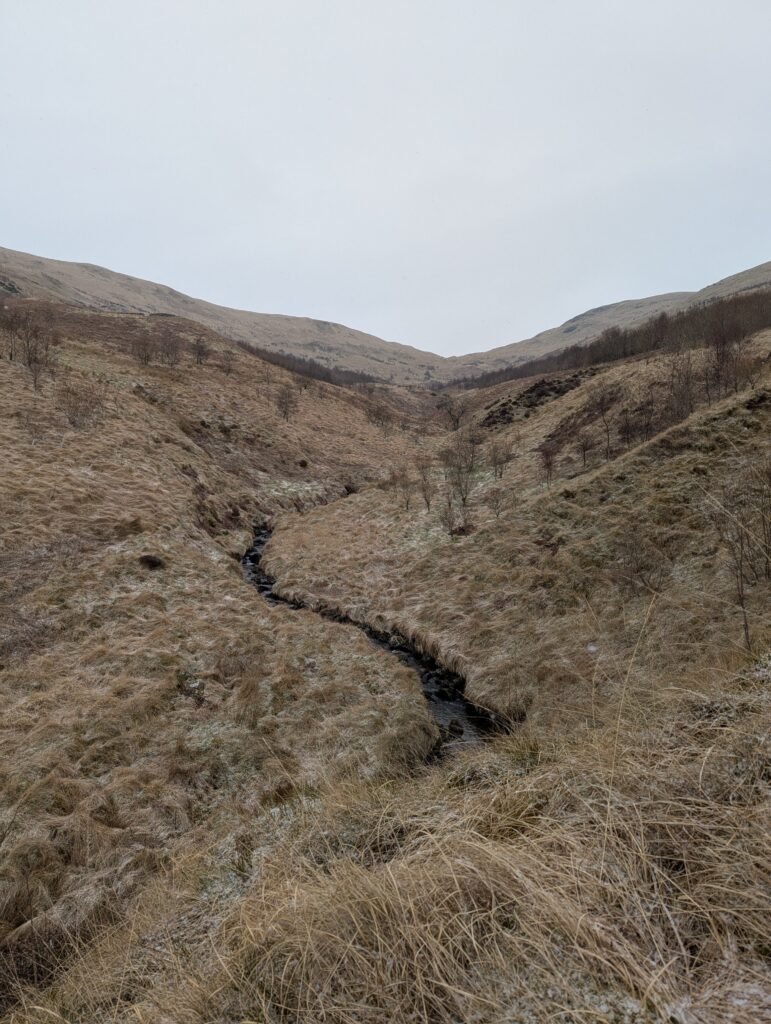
(405, 486)
(426, 483)
(499, 455)
(38, 341)
(459, 462)
(81, 400)
(495, 499)
(380, 416)
(11, 321)
(681, 384)
(463, 452)
(641, 566)
(227, 361)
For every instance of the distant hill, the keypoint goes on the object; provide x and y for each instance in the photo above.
(581, 329)
(334, 344)
(97, 288)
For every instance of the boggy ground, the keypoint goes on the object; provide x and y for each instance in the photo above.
(217, 811)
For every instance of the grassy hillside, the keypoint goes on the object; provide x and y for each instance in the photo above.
(26, 276)
(145, 684)
(218, 810)
(334, 345)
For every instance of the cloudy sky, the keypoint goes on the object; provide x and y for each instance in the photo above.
(454, 175)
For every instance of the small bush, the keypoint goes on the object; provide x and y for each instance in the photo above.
(82, 401)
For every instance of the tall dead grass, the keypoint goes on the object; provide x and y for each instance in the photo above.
(599, 881)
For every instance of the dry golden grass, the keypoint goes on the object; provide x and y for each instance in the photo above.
(540, 608)
(216, 810)
(592, 880)
(137, 699)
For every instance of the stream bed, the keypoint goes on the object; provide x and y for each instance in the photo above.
(460, 722)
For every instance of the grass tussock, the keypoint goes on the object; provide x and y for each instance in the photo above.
(622, 880)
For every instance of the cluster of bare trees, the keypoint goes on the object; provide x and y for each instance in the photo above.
(720, 323)
(310, 368)
(167, 348)
(30, 338)
(448, 484)
(615, 418)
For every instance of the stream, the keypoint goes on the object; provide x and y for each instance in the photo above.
(460, 722)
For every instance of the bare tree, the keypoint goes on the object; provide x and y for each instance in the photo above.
(731, 525)
(626, 426)
(404, 486)
(448, 514)
(37, 348)
(647, 414)
(227, 361)
(499, 455)
(548, 457)
(287, 401)
(379, 415)
(584, 444)
(143, 349)
(602, 402)
(681, 383)
(426, 483)
(452, 409)
(742, 517)
(11, 327)
(201, 350)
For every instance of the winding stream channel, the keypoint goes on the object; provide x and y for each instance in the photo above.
(460, 722)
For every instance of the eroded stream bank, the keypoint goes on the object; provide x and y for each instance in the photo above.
(460, 722)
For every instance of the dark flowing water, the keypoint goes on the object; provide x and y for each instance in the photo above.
(460, 722)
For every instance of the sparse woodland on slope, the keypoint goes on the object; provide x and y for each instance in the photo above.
(334, 345)
(217, 810)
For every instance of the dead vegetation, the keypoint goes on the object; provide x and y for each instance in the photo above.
(216, 811)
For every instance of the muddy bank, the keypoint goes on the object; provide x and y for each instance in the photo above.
(460, 722)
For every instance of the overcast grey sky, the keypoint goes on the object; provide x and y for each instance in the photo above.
(454, 175)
